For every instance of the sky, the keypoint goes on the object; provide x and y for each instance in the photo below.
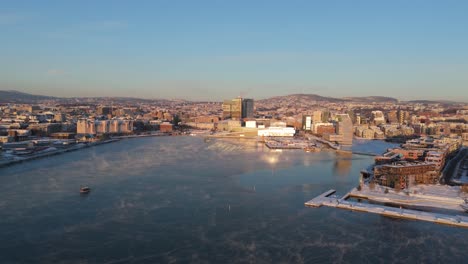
(211, 50)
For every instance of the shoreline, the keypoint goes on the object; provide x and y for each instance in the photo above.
(54, 152)
(78, 146)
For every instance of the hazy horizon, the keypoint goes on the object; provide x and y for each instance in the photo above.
(212, 100)
(210, 50)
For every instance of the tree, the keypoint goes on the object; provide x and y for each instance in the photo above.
(176, 120)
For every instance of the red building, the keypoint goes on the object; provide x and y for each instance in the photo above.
(326, 129)
(165, 127)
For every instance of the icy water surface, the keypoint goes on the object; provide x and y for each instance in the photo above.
(183, 200)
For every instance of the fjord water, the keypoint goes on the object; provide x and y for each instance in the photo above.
(184, 200)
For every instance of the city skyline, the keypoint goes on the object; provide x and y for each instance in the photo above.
(211, 51)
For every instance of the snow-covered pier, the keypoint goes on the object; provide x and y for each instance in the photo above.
(328, 199)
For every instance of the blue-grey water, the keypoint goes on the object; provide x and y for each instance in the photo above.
(184, 200)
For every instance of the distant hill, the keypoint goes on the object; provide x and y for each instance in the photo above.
(20, 97)
(432, 102)
(302, 97)
(298, 98)
(11, 96)
(371, 99)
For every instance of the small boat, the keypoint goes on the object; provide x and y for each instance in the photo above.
(85, 189)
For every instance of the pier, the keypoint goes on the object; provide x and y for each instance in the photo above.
(328, 199)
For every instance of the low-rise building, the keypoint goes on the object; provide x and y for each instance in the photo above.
(404, 174)
(277, 132)
(165, 127)
(436, 157)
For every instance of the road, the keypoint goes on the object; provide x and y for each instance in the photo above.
(456, 171)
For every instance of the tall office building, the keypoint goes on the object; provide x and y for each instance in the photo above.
(345, 128)
(227, 106)
(233, 108)
(236, 109)
(247, 108)
(325, 116)
(306, 122)
(317, 116)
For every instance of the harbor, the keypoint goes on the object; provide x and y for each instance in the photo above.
(329, 199)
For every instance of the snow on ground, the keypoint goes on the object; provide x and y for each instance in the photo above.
(437, 196)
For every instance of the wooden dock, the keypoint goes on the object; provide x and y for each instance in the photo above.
(328, 199)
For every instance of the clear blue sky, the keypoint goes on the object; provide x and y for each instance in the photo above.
(220, 49)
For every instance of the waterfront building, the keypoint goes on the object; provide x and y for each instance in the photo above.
(367, 133)
(323, 128)
(102, 126)
(436, 157)
(251, 124)
(233, 124)
(206, 119)
(278, 124)
(333, 137)
(325, 116)
(238, 108)
(114, 126)
(63, 135)
(317, 116)
(207, 126)
(247, 108)
(44, 129)
(403, 174)
(19, 134)
(165, 127)
(345, 129)
(378, 117)
(378, 134)
(307, 122)
(232, 108)
(85, 126)
(125, 126)
(277, 132)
